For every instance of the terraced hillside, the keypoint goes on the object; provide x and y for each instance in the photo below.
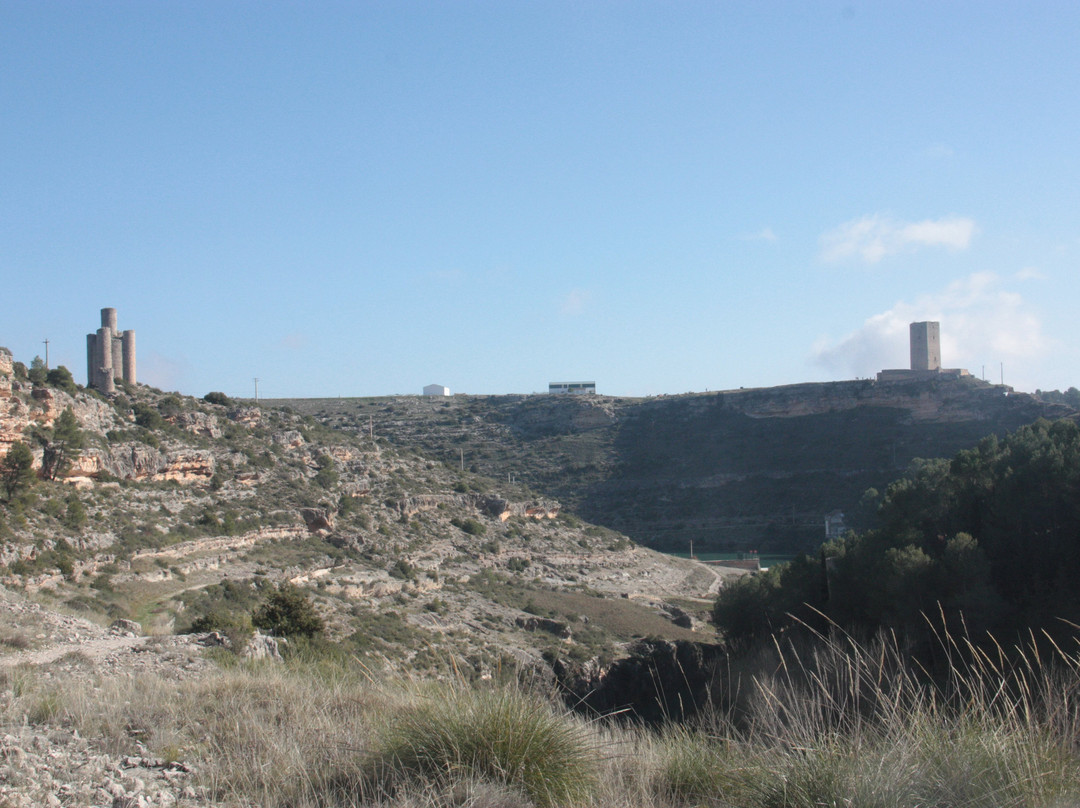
(735, 470)
(187, 515)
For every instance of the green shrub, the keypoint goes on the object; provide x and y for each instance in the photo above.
(236, 626)
(37, 373)
(74, 517)
(502, 736)
(147, 417)
(287, 613)
(470, 526)
(17, 470)
(61, 378)
(171, 406)
(327, 475)
(403, 570)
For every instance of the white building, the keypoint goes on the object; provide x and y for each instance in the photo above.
(436, 390)
(577, 388)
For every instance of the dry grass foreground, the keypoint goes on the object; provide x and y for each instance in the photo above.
(841, 724)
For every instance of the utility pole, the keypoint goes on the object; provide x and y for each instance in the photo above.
(256, 389)
(46, 354)
(462, 459)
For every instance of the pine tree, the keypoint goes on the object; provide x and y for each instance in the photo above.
(63, 446)
(17, 470)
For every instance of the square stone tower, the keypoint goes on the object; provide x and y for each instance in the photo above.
(926, 346)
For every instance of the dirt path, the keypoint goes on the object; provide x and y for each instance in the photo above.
(94, 650)
(34, 635)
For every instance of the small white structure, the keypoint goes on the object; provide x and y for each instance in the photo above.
(834, 525)
(436, 390)
(576, 388)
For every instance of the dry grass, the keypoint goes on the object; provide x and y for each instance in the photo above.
(497, 735)
(834, 724)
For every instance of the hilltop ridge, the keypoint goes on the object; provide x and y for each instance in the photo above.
(731, 470)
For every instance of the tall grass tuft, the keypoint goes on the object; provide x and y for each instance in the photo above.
(839, 722)
(498, 735)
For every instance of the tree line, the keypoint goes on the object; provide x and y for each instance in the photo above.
(987, 541)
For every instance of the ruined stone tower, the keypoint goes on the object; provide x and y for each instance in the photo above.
(926, 346)
(110, 354)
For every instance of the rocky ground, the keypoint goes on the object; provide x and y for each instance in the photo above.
(417, 565)
(52, 764)
(48, 763)
(59, 768)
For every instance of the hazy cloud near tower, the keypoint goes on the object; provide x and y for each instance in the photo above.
(874, 237)
(982, 323)
(164, 372)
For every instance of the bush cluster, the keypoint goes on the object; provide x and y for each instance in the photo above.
(988, 537)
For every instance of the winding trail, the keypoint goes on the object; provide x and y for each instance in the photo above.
(96, 650)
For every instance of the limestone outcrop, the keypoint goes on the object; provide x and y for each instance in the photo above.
(6, 372)
(137, 461)
(317, 519)
(497, 507)
(199, 423)
(554, 627)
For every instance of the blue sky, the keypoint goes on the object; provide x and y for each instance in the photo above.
(363, 198)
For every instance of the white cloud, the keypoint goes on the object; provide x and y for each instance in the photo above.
(982, 323)
(574, 301)
(872, 238)
(764, 234)
(1030, 274)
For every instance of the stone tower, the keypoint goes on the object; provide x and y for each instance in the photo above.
(110, 354)
(926, 346)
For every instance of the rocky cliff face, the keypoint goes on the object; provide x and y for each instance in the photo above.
(31, 407)
(498, 507)
(6, 373)
(136, 461)
(760, 469)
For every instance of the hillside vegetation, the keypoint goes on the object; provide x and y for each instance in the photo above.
(990, 539)
(184, 514)
(389, 603)
(735, 470)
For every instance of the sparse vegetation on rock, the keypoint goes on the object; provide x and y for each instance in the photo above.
(383, 560)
